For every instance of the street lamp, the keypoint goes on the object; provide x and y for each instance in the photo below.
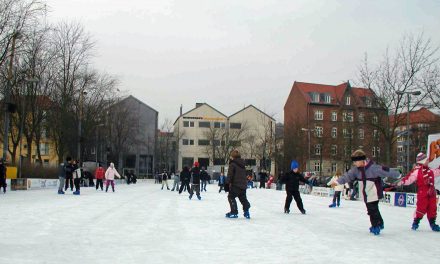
(81, 102)
(7, 104)
(308, 130)
(408, 98)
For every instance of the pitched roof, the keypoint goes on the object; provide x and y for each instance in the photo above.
(134, 98)
(197, 106)
(255, 109)
(423, 115)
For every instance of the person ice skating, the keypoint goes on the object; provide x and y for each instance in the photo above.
(100, 176)
(370, 176)
(64, 170)
(69, 176)
(77, 175)
(185, 177)
(221, 182)
(165, 179)
(269, 182)
(426, 193)
(110, 174)
(204, 177)
(237, 182)
(263, 178)
(3, 175)
(176, 180)
(338, 190)
(250, 183)
(195, 181)
(292, 179)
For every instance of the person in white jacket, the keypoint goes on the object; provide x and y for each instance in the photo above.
(338, 190)
(110, 176)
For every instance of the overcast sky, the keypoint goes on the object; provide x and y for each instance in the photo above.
(232, 53)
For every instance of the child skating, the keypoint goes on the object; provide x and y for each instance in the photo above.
(338, 190)
(110, 176)
(292, 179)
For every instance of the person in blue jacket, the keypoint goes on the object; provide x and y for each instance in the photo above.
(292, 179)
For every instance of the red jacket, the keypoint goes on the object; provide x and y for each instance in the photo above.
(424, 178)
(99, 173)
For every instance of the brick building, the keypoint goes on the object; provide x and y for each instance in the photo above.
(323, 124)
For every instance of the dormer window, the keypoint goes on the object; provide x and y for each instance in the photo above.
(368, 101)
(315, 97)
(327, 98)
(347, 100)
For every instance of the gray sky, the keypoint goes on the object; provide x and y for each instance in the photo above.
(232, 53)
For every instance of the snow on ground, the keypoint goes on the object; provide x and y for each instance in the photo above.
(143, 224)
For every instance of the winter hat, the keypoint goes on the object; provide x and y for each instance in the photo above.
(196, 164)
(294, 165)
(421, 158)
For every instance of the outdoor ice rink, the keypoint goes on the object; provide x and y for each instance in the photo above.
(143, 224)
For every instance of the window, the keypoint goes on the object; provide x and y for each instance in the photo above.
(347, 150)
(334, 116)
(348, 116)
(334, 167)
(93, 151)
(317, 166)
(205, 124)
(368, 101)
(327, 98)
(423, 126)
(347, 100)
(400, 139)
(318, 149)
(347, 133)
(235, 125)
(376, 152)
(188, 123)
(334, 150)
(314, 97)
(187, 142)
(203, 142)
(401, 159)
(334, 132)
(44, 149)
(400, 149)
(187, 162)
(219, 125)
(375, 134)
(318, 131)
(361, 117)
(319, 115)
(375, 119)
(361, 133)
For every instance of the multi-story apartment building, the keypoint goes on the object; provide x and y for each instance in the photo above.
(206, 135)
(323, 124)
(421, 123)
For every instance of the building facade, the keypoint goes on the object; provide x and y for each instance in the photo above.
(324, 124)
(206, 135)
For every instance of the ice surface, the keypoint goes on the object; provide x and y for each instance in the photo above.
(143, 224)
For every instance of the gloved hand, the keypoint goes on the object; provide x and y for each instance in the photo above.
(389, 189)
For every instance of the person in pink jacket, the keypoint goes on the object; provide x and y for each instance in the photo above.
(423, 176)
(110, 176)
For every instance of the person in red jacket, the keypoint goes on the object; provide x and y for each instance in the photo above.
(426, 194)
(100, 175)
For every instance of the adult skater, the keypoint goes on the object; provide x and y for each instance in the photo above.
(100, 176)
(110, 176)
(338, 190)
(165, 179)
(292, 179)
(176, 180)
(263, 178)
(185, 177)
(195, 181)
(3, 175)
(64, 170)
(426, 194)
(237, 182)
(204, 177)
(77, 175)
(369, 175)
(221, 182)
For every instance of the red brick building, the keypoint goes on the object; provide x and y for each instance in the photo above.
(337, 119)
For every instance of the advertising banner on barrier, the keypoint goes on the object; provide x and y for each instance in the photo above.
(411, 200)
(400, 199)
(18, 184)
(388, 198)
(35, 184)
(322, 191)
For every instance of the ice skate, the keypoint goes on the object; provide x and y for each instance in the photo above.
(230, 215)
(246, 214)
(332, 205)
(375, 230)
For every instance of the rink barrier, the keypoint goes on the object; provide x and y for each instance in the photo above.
(401, 199)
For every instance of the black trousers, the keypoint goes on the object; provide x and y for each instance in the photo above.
(235, 192)
(3, 184)
(185, 184)
(69, 181)
(77, 182)
(99, 183)
(262, 184)
(373, 212)
(295, 195)
(196, 188)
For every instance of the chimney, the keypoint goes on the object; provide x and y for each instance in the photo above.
(199, 104)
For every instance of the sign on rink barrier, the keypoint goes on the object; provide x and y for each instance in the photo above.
(403, 199)
(323, 191)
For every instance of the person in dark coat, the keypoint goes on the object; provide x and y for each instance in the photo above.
(185, 177)
(237, 182)
(292, 179)
(263, 178)
(3, 175)
(195, 181)
(204, 177)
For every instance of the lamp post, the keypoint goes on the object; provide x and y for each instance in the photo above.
(7, 109)
(308, 130)
(81, 102)
(408, 98)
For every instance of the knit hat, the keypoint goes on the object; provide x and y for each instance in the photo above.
(196, 164)
(421, 158)
(294, 165)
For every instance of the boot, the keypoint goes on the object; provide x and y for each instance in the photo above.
(199, 197)
(338, 204)
(190, 196)
(113, 188)
(286, 211)
(415, 224)
(303, 211)
(60, 192)
(76, 192)
(433, 225)
(230, 215)
(106, 188)
(332, 205)
(375, 230)
(246, 214)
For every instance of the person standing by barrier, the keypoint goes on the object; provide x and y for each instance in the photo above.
(185, 177)
(292, 179)
(237, 182)
(338, 190)
(62, 176)
(100, 175)
(195, 181)
(3, 175)
(370, 177)
(176, 180)
(263, 178)
(426, 194)
(110, 176)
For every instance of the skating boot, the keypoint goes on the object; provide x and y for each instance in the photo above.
(382, 226)
(338, 204)
(415, 224)
(246, 214)
(76, 193)
(332, 205)
(286, 211)
(229, 215)
(60, 192)
(303, 212)
(375, 230)
(199, 197)
(190, 196)
(433, 225)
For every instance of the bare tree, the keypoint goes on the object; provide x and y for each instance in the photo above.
(404, 70)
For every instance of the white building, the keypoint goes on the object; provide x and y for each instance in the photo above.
(208, 136)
